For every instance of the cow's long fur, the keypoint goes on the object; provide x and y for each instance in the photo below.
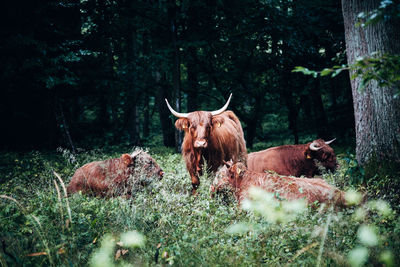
(225, 142)
(239, 179)
(295, 160)
(115, 177)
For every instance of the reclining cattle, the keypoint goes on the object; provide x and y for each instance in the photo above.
(217, 136)
(238, 179)
(116, 177)
(295, 160)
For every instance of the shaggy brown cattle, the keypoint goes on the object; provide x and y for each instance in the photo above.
(115, 177)
(295, 160)
(237, 178)
(217, 136)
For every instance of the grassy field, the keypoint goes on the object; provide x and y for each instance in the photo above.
(164, 225)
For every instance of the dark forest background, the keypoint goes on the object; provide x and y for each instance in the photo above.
(93, 73)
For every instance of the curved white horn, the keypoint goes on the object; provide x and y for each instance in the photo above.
(314, 147)
(176, 114)
(328, 142)
(219, 111)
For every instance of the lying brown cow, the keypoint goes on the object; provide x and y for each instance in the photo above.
(237, 178)
(216, 136)
(115, 177)
(295, 160)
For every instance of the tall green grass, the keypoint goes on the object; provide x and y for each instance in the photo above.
(39, 227)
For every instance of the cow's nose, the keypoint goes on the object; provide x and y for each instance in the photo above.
(200, 143)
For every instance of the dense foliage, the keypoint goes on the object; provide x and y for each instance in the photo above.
(41, 227)
(93, 72)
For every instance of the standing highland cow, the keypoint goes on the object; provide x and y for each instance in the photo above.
(295, 160)
(237, 178)
(115, 177)
(217, 136)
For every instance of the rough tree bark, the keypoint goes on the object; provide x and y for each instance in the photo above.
(377, 112)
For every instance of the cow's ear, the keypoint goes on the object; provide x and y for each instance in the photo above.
(126, 159)
(182, 124)
(217, 121)
(308, 154)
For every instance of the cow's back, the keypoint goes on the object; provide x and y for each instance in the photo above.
(227, 141)
(272, 159)
(97, 177)
(292, 188)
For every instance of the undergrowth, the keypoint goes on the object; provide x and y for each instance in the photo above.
(164, 225)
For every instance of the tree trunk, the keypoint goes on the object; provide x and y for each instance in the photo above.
(192, 71)
(133, 115)
(319, 111)
(63, 124)
(292, 107)
(376, 111)
(146, 117)
(134, 125)
(176, 73)
(254, 120)
(292, 115)
(164, 113)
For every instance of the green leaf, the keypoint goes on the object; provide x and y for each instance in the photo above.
(326, 72)
(367, 236)
(387, 258)
(336, 72)
(358, 256)
(299, 69)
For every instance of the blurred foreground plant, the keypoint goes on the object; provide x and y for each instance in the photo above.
(369, 217)
(107, 254)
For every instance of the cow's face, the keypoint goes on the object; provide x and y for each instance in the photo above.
(228, 177)
(143, 166)
(236, 172)
(328, 159)
(322, 152)
(199, 126)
